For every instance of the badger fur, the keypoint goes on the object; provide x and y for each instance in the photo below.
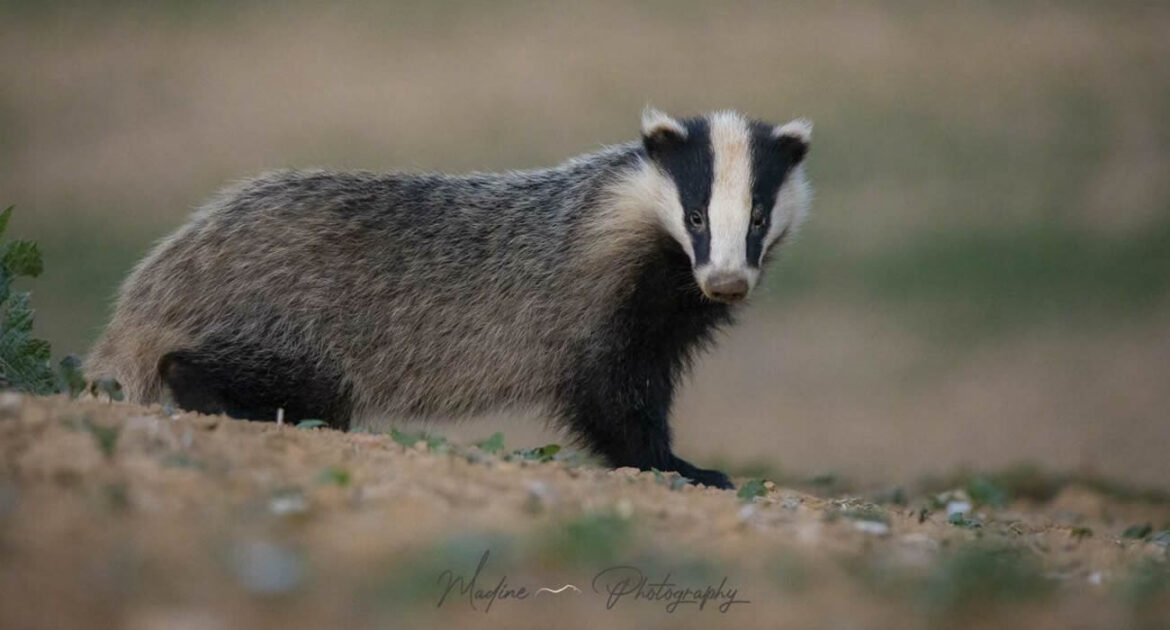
(583, 290)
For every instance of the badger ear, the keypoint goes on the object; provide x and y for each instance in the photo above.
(659, 129)
(794, 138)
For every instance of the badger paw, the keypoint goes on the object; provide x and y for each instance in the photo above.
(701, 476)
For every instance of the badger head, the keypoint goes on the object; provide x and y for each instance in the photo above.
(729, 190)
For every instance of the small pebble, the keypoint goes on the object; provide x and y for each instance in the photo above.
(958, 507)
(540, 494)
(288, 503)
(872, 527)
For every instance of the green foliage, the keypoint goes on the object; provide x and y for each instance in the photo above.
(590, 540)
(335, 475)
(493, 444)
(24, 360)
(984, 491)
(545, 453)
(1138, 532)
(751, 489)
(434, 441)
(23, 258)
(312, 424)
(982, 574)
(70, 377)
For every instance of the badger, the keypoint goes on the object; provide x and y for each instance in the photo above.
(583, 290)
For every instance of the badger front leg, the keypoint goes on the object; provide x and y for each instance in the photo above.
(627, 424)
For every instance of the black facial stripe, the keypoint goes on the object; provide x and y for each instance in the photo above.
(691, 164)
(771, 162)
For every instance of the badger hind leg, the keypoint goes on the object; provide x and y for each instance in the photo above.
(254, 385)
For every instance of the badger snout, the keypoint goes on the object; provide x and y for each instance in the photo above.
(726, 286)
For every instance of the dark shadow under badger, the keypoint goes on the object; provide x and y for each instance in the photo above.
(583, 289)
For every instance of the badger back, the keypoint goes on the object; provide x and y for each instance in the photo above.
(421, 294)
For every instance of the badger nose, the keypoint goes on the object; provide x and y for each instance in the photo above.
(727, 286)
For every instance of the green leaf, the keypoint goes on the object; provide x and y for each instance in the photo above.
(69, 376)
(24, 361)
(335, 475)
(434, 441)
(405, 439)
(23, 258)
(38, 350)
(751, 489)
(4, 216)
(19, 314)
(985, 492)
(494, 444)
(544, 453)
(1137, 532)
(312, 424)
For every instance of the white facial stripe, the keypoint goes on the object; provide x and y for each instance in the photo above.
(670, 209)
(650, 188)
(729, 212)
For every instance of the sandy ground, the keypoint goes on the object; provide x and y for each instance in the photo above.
(113, 515)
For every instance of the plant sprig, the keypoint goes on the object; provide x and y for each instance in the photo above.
(26, 361)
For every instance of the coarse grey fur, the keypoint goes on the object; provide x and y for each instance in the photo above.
(415, 295)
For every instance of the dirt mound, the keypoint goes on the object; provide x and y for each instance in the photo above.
(114, 515)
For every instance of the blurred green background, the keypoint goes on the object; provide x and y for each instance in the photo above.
(983, 281)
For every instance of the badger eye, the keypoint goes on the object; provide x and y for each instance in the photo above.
(757, 219)
(695, 219)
